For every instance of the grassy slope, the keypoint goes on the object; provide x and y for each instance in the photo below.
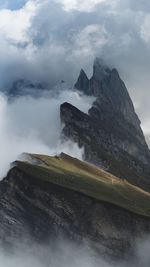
(88, 179)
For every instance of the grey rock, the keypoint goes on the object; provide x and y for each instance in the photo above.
(83, 83)
(44, 211)
(110, 133)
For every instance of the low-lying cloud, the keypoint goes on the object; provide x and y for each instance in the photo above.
(29, 124)
(66, 253)
(62, 253)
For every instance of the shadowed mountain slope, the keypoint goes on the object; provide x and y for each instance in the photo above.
(82, 177)
(52, 196)
(110, 133)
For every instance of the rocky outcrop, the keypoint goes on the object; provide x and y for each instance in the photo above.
(83, 83)
(110, 132)
(39, 209)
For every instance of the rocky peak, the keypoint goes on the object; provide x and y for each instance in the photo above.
(112, 97)
(100, 70)
(110, 133)
(70, 113)
(82, 83)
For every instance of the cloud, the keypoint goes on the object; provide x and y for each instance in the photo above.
(80, 6)
(14, 24)
(55, 46)
(61, 253)
(88, 40)
(145, 29)
(33, 125)
(65, 253)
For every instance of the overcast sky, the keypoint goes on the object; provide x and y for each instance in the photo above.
(51, 40)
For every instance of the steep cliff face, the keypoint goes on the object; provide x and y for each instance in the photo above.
(51, 196)
(83, 83)
(111, 132)
(36, 207)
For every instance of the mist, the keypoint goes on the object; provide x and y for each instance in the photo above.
(32, 125)
(61, 253)
(66, 253)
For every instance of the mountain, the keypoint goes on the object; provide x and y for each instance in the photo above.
(44, 197)
(24, 87)
(110, 133)
(103, 202)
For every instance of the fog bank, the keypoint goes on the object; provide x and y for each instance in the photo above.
(64, 253)
(33, 125)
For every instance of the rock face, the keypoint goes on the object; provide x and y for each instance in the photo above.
(110, 132)
(112, 138)
(42, 210)
(83, 83)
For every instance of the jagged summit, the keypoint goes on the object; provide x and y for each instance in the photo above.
(48, 197)
(111, 93)
(100, 69)
(83, 83)
(110, 134)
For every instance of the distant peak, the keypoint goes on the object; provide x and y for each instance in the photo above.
(82, 72)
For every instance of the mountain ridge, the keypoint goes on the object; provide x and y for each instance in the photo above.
(77, 171)
(111, 129)
(104, 201)
(43, 209)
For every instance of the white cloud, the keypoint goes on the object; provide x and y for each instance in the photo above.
(33, 125)
(145, 33)
(84, 5)
(59, 43)
(61, 253)
(14, 24)
(88, 40)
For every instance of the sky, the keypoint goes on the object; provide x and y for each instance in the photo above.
(12, 4)
(51, 40)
